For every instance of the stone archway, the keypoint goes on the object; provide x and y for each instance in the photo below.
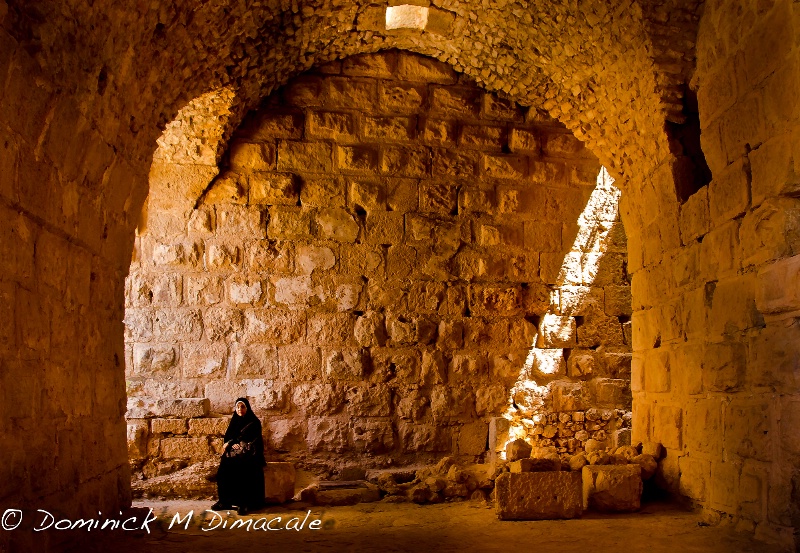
(86, 88)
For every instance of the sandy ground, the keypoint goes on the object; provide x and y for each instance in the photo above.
(384, 527)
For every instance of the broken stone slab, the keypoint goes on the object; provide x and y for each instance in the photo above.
(147, 408)
(612, 488)
(518, 449)
(538, 495)
(360, 492)
(535, 465)
(193, 482)
(279, 479)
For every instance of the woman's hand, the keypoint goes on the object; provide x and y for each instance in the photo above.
(237, 446)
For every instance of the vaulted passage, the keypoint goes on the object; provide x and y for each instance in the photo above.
(389, 262)
(399, 231)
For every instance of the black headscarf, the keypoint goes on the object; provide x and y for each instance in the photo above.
(238, 423)
(246, 429)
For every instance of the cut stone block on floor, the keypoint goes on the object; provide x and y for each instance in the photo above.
(538, 495)
(612, 488)
(279, 482)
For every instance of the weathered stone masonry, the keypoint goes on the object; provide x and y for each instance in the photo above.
(86, 88)
(373, 267)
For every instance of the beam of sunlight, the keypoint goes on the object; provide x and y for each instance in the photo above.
(543, 365)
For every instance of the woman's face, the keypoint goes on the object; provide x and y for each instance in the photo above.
(240, 409)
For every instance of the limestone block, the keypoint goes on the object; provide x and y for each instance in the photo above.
(346, 93)
(695, 474)
(617, 300)
(538, 496)
(229, 188)
(326, 434)
(612, 487)
(204, 360)
(668, 425)
(137, 432)
(720, 252)
(336, 224)
(247, 156)
(491, 400)
(279, 479)
(370, 65)
(153, 358)
(284, 223)
(723, 485)
(357, 159)
(255, 360)
(222, 394)
(138, 325)
(723, 366)
(239, 221)
(328, 329)
(296, 291)
(310, 258)
(773, 171)
(344, 364)
(581, 363)
(313, 157)
(557, 332)
(167, 290)
(318, 399)
(778, 286)
(456, 101)
(298, 363)
(286, 433)
(728, 193)
(145, 407)
(369, 401)
(222, 257)
(168, 426)
(465, 367)
(568, 396)
(599, 329)
(648, 465)
(273, 326)
(424, 438)
(322, 191)
(269, 125)
(211, 426)
(177, 324)
(202, 289)
(182, 448)
(472, 438)
(332, 125)
(438, 197)
(265, 394)
(747, 430)
(771, 231)
(694, 217)
(267, 188)
(505, 166)
(372, 436)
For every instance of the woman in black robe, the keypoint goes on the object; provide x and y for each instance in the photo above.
(240, 479)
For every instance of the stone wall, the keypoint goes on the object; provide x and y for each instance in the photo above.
(389, 259)
(64, 246)
(715, 374)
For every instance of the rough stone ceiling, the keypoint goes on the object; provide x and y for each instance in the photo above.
(611, 72)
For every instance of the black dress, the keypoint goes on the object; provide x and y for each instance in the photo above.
(240, 478)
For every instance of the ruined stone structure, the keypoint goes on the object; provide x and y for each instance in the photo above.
(88, 89)
(390, 259)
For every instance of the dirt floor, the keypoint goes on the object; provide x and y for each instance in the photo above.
(383, 527)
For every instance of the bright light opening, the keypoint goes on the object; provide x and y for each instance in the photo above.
(406, 17)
